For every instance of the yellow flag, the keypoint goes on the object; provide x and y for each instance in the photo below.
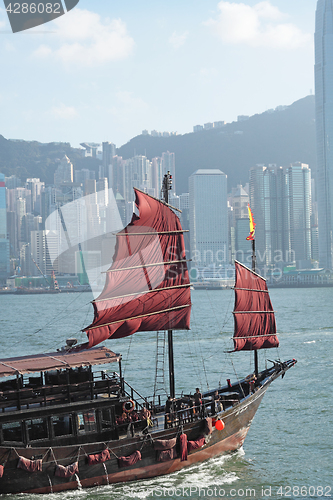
(252, 224)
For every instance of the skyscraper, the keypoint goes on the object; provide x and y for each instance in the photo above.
(281, 202)
(208, 218)
(169, 165)
(324, 126)
(4, 242)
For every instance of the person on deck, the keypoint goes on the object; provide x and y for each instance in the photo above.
(197, 398)
(218, 406)
(169, 405)
(144, 413)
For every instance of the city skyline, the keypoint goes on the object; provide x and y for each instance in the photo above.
(217, 221)
(324, 128)
(223, 59)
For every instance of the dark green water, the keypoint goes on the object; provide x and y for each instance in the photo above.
(288, 452)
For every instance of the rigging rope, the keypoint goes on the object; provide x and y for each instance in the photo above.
(202, 359)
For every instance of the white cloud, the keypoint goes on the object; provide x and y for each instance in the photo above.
(9, 46)
(85, 39)
(260, 25)
(2, 18)
(64, 112)
(178, 40)
(127, 106)
(43, 51)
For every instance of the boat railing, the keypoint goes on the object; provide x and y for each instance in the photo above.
(131, 393)
(52, 394)
(185, 411)
(188, 414)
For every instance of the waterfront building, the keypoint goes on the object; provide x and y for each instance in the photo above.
(280, 199)
(109, 151)
(324, 128)
(156, 175)
(298, 178)
(4, 242)
(169, 165)
(117, 175)
(208, 217)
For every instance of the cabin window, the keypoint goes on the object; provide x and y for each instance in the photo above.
(106, 419)
(37, 429)
(12, 432)
(86, 422)
(62, 425)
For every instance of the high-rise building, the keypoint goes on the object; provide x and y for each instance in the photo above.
(109, 151)
(280, 199)
(324, 127)
(156, 175)
(102, 192)
(35, 186)
(4, 242)
(169, 165)
(299, 200)
(208, 218)
(116, 173)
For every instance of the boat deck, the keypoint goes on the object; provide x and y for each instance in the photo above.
(31, 394)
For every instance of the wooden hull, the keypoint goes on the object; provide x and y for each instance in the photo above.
(237, 421)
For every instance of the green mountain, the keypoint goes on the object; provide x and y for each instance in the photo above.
(283, 136)
(34, 159)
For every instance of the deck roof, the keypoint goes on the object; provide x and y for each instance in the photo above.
(57, 361)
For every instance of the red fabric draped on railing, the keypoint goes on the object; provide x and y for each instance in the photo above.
(255, 326)
(30, 465)
(130, 460)
(198, 443)
(99, 457)
(69, 471)
(147, 287)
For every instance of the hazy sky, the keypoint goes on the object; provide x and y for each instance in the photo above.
(109, 69)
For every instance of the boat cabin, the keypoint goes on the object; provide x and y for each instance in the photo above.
(59, 397)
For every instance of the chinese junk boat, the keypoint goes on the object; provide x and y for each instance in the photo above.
(65, 421)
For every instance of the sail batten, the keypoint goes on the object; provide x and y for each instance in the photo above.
(254, 318)
(259, 336)
(159, 232)
(142, 266)
(162, 311)
(252, 312)
(147, 286)
(148, 291)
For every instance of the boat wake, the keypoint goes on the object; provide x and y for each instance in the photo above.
(207, 475)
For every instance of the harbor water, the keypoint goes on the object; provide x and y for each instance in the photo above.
(288, 452)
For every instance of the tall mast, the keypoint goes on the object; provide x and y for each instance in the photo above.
(253, 242)
(251, 237)
(256, 368)
(166, 186)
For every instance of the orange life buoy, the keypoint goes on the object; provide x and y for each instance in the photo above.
(250, 378)
(125, 406)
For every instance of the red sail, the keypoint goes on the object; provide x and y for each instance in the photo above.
(147, 287)
(255, 326)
